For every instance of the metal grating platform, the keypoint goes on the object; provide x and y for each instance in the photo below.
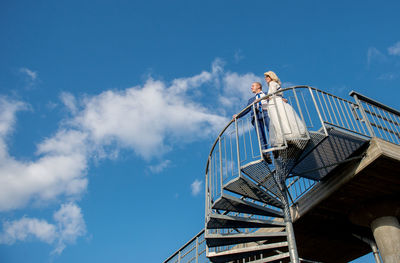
(225, 221)
(245, 187)
(325, 156)
(237, 253)
(260, 172)
(214, 240)
(233, 204)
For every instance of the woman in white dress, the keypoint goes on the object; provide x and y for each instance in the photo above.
(285, 124)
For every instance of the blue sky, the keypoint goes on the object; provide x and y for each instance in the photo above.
(109, 109)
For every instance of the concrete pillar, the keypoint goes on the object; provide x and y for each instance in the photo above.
(386, 231)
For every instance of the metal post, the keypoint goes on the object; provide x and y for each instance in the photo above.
(220, 162)
(294, 257)
(364, 116)
(237, 147)
(257, 131)
(319, 113)
(197, 250)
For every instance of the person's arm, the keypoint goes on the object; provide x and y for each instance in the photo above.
(246, 111)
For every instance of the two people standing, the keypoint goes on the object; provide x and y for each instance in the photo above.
(273, 115)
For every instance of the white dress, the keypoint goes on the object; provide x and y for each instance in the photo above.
(284, 123)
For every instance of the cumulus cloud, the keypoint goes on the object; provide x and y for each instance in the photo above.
(67, 227)
(147, 119)
(22, 229)
(196, 187)
(395, 49)
(60, 171)
(236, 90)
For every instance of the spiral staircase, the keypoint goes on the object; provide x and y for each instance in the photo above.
(252, 192)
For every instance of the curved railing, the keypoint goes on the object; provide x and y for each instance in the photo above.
(239, 143)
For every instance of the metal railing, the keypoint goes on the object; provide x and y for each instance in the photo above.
(239, 143)
(194, 251)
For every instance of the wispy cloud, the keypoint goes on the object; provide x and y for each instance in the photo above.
(30, 73)
(395, 49)
(388, 76)
(196, 187)
(238, 56)
(374, 55)
(158, 168)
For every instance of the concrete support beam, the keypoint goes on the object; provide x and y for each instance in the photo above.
(386, 231)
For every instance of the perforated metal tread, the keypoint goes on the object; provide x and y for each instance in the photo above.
(214, 240)
(247, 188)
(239, 253)
(335, 148)
(260, 172)
(224, 221)
(231, 203)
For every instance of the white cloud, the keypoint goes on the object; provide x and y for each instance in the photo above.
(21, 230)
(196, 187)
(147, 119)
(159, 167)
(30, 73)
(70, 225)
(395, 49)
(67, 227)
(69, 101)
(237, 89)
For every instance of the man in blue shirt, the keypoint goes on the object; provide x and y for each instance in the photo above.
(261, 117)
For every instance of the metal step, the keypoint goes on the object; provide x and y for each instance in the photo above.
(247, 188)
(260, 172)
(234, 204)
(272, 258)
(239, 253)
(224, 221)
(216, 240)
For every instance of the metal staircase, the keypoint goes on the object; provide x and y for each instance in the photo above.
(249, 200)
(248, 216)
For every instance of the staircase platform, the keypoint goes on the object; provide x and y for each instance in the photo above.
(327, 153)
(239, 253)
(215, 240)
(247, 188)
(234, 204)
(224, 221)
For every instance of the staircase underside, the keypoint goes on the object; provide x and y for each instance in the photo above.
(322, 226)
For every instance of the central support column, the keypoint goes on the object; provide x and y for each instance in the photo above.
(386, 231)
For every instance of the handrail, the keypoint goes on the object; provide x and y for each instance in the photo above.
(374, 102)
(246, 108)
(185, 245)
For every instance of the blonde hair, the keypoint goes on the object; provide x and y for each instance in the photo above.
(273, 76)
